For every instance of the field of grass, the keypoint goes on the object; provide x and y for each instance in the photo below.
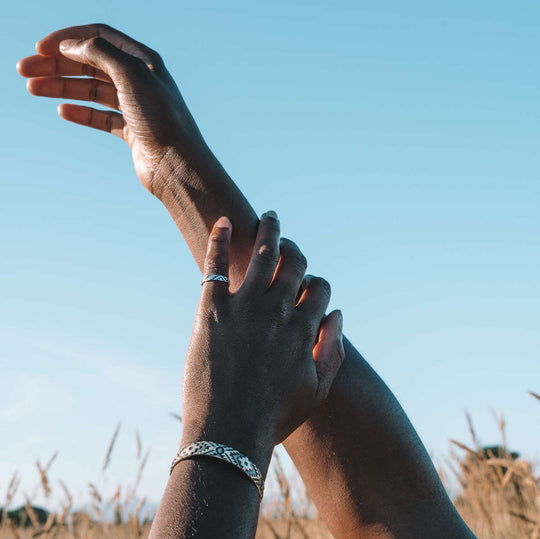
(499, 497)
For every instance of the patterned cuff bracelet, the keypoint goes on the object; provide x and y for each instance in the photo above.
(222, 452)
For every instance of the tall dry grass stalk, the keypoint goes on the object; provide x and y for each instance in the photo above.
(499, 499)
(108, 454)
(500, 493)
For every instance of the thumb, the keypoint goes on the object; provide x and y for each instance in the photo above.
(328, 353)
(102, 54)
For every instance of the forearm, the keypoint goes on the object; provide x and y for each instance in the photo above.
(359, 455)
(196, 192)
(364, 465)
(207, 498)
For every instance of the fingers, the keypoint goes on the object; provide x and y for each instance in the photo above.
(265, 254)
(290, 270)
(217, 259)
(314, 300)
(79, 89)
(109, 121)
(49, 45)
(57, 66)
(328, 353)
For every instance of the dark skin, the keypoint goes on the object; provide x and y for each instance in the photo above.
(259, 363)
(359, 456)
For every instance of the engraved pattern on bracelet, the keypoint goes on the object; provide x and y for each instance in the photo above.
(228, 454)
(220, 278)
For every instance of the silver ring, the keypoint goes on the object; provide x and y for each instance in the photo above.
(220, 278)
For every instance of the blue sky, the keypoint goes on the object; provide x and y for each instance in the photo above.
(399, 145)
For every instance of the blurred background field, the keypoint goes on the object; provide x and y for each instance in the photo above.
(498, 495)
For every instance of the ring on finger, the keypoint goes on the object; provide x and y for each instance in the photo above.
(220, 278)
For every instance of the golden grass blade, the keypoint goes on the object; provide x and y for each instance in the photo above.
(68, 495)
(110, 448)
(116, 497)
(31, 513)
(139, 444)
(43, 474)
(14, 531)
(525, 518)
(50, 461)
(11, 491)
(141, 469)
(96, 496)
(472, 431)
(463, 446)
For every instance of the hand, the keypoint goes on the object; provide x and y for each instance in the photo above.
(260, 360)
(125, 76)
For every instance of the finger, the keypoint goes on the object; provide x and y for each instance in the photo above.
(216, 262)
(57, 66)
(328, 353)
(103, 55)
(265, 255)
(104, 120)
(314, 300)
(290, 270)
(50, 44)
(94, 90)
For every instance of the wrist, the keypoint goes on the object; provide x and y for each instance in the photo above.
(181, 168)
(256, 445)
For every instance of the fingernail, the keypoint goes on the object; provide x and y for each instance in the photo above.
(271, 213)
(223, 222)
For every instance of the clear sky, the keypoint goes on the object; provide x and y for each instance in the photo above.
(399, 144)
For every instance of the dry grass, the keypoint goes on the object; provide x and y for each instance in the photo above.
(499, 499)
(500, 493)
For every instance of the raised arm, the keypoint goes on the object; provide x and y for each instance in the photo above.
(241, 407)
(361, 459)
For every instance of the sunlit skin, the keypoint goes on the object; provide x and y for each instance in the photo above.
(358, 454)
(249, 405)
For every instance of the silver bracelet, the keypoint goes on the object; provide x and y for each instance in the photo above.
(228, 454)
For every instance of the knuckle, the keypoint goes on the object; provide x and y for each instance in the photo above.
(155, 58)
(93, 90)
(295, 257)
(291, 248)
(301, 261)
(286, 244)
(96, 44)
(322, 284)
(218, 239)
(134, 64)
(267, 253)
(102, 27)
(215, 265)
